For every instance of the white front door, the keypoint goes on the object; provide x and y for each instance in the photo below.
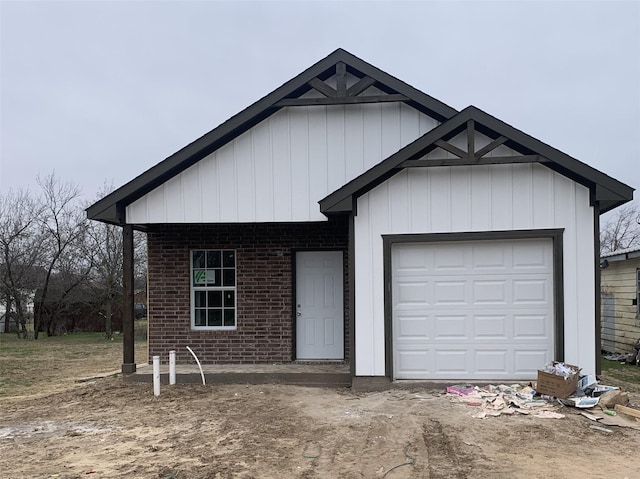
(319, 305)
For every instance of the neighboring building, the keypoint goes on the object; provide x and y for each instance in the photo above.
(347, 216)
(620, 283)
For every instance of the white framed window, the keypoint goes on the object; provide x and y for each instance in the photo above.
(213, 289)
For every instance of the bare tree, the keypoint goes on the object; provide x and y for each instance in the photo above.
(63, 226)
(106, 251)
(621, 230)
(106, 254)
(20, 241)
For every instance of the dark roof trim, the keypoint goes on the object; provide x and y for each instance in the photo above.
(608, 191)
(622, 254)
(103, 210)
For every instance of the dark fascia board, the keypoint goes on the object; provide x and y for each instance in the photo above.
(238, 124)
(622, 256)
(608, 191)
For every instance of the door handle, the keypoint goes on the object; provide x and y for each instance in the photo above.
(299, 313)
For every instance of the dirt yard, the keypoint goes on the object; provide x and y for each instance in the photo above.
(107, 429)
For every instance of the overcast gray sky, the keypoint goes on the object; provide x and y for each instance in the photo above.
(102, 91)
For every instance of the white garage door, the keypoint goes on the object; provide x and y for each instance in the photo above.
(479, 310)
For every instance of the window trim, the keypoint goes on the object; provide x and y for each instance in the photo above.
(221, 288)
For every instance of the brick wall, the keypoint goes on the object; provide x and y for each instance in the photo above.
(264, 263)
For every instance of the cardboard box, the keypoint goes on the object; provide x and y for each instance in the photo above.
(558, 386)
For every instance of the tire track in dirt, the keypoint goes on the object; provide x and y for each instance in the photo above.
(445, 458)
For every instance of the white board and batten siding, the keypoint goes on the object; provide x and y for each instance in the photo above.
(279, 169)
(466, 199)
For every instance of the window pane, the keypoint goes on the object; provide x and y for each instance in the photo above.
(229, 317)
(228, 277)
(215, 299)
(229, 259)
(199, 277)
(215, 317)
(198, 259)
(213, 277)
(213, 259)
(229, 299)
(201, 299)
(201, 317)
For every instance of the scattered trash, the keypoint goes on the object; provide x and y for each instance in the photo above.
(312, 450)
(583, 402)
(460, 389)
(496, 400)
(628, 411)
(558, 379)
(610, 398)
(548, 415)
(598, 390)
(587, 382)
(590, 416)
(621, 357)
(598, 428)
(559, 385)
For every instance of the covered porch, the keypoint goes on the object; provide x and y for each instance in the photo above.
(309, 374)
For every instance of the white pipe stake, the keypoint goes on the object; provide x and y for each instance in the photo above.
(172, 367)
(156, 375)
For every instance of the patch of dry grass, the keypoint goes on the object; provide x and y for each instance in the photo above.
(34, 367)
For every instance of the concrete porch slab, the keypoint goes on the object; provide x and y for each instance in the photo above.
(302, 374)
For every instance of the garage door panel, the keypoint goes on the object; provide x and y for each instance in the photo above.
(489, 318)
(490, 291)
(413, 291)
(450, 292)
(449, 326)
(488, 258)
(491, 326)
(451, 362)
(490, 363)
(467, 364)
(413, 258)
(532, 255)
(449, 259)
(532, 291)
(413, 326)
(532, 325)
(414, 364)
(527, 362)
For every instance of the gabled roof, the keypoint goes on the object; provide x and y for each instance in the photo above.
(111, 208)
(609, 192)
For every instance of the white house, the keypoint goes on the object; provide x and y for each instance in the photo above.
(347, 216)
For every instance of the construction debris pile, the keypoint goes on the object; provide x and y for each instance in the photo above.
(559, 385)
(502, 399)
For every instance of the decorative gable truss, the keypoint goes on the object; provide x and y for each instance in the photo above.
(347, 86)
(339, 79)
(474, 154)
(473, 137)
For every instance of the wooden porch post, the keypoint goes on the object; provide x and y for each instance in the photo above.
(128, 363)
